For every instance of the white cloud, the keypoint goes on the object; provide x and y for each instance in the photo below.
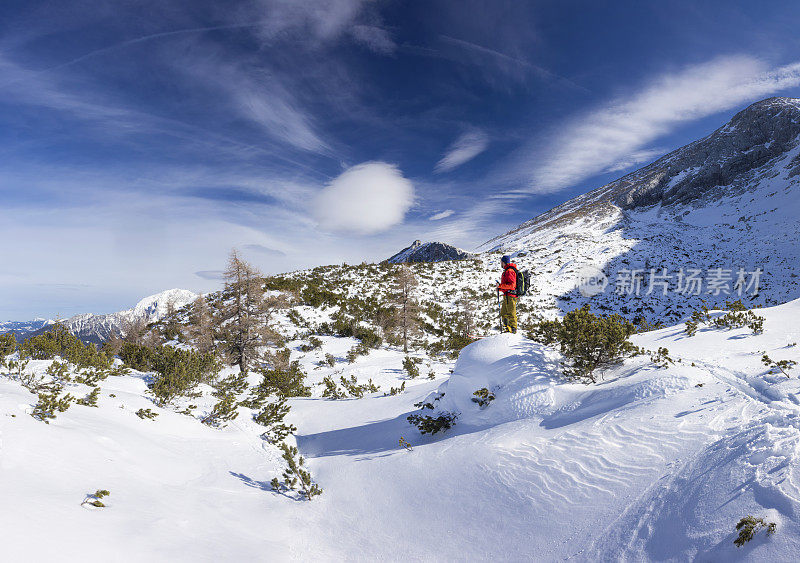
(616, 133)
(465, 148)
(638, 157)
(375, 38)
(365, 199)
(441, 215)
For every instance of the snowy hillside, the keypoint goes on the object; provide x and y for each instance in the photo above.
(728, 202)
(651, 463)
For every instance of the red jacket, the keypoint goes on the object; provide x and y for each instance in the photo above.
(508, 281)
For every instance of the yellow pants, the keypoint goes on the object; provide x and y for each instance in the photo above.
(508, 313)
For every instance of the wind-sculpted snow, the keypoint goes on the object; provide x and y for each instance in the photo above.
(525, 380)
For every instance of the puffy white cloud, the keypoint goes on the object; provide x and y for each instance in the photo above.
(365, 199)
(617, 133)
(465, 148)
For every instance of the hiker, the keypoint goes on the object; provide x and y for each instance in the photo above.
(508, 285)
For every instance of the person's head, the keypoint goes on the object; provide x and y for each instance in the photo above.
(505, 260)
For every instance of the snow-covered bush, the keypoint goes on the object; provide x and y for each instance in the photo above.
(94, 499)
(146, 413)
(483, 397)
(427, 424)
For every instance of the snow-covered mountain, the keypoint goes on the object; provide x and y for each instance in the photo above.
(91, 327)
(429, 252)
(728, 201)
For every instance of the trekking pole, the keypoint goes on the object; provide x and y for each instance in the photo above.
(500, 311)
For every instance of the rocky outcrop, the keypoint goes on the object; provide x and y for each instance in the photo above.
(429, 252)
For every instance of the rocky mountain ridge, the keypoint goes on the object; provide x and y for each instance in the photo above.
(429, 252)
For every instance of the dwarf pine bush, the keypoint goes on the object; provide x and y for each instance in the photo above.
(749, 526)
(296, 476)
(427, 424)
(483, 397)
(411, 368)
(332, 390)
(50, 404)
(357, 390)
(286, 381)
(94, 499)
(146, 413)
(396, 390)
(588, 342)
(90, 400)
(223, 411)
(177, 371)
(661, 357)
(784, 366)
(58, 341)
(736, 316)
(272, 416)
(8, 344)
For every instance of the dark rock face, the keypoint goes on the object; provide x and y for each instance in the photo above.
(751, 139)
(429, 252)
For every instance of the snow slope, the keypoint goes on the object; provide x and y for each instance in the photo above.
(649, 464)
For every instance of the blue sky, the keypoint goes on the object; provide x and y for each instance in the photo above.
(140, 141)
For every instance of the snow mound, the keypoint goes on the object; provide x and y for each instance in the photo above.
(525, 379)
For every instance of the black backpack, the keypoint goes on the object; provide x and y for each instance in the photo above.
(523, 282)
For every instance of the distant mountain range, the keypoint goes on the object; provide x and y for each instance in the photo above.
(98, 328)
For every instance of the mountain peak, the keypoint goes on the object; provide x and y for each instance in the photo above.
(429, 252)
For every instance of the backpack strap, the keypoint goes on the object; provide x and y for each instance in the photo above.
(515, 291)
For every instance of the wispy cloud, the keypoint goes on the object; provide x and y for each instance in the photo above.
(465, 148)
(441, 215)
(511, 66)
(324, 21)
(617, 133)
